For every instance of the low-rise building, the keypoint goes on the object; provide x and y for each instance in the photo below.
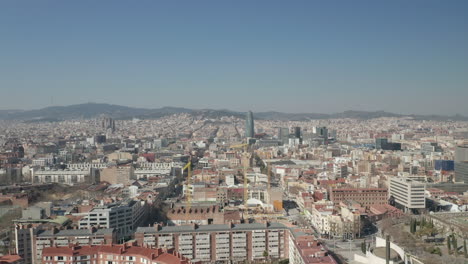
(304, 248)
(66, 176)
(43, 239)
(126, 253)
(11, 259)
(364, 196)
(32, 238)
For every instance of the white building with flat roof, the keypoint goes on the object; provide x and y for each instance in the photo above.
(66, 176)
(124, 217)
(408, 193)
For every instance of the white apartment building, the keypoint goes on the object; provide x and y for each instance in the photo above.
(153, 169)
(124, 217)
(211, 243)
(255, 178)
(67, 176)
(86, 165)
(408, 193)
(319, 218)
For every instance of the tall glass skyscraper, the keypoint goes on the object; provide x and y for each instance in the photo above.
(461, 164)
(249, 125)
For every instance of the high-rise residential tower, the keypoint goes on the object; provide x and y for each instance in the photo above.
(249, 125)
(297, 132)
(283, 135)
(461, 164)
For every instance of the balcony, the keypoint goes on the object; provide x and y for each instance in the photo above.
(185, 247)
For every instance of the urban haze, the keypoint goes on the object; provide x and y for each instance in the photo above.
(212, 132)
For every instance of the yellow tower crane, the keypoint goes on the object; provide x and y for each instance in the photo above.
(188, 197)
(246, 187)
(269, 178)
(239, 146)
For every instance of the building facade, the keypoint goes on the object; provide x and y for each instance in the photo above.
(210, 243)
(461, 164)
(364, 196)
(111, 254)
(118, 174)
(304, 248)
(408, 193)
(249, 125)
(31, 240)
(124, 217)
(67, 176)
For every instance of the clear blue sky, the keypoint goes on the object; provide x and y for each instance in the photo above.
(293, 56)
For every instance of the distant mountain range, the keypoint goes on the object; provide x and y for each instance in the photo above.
(93, 110)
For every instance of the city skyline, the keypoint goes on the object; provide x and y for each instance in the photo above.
(201, 132)
(64, 112)
(307, 57)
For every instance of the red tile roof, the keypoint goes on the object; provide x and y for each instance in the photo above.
(9, 259)
(158, 255)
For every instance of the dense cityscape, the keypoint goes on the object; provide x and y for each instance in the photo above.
(233, 132)
(187, 188)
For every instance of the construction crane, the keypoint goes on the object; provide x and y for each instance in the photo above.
(188, 166)
(269, 179)
(246, 155)
(246, 187)
(239, 146)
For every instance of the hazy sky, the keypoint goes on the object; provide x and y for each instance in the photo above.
(293, 56)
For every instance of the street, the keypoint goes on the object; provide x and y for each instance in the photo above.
(345, 249)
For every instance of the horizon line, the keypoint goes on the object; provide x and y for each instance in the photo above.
(235, 111)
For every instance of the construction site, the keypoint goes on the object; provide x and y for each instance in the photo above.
(247, 195)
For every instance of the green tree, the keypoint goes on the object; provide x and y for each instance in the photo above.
(363, 247)
(454, 243)
(414, 223)
(436, 250)
(464, 248)
(449, 246)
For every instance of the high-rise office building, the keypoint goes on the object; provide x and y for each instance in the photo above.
(382, 143)
(321, 132)
(445, 165)
(283, 134)
(297, 132)
(461, 164)
(282, 131)
(249, 125)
